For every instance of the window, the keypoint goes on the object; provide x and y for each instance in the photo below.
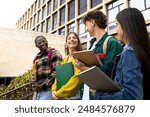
(71, 27)
(27, 25)
(34, 20)
(38, 16)
(113, 10)
(43, 12)
(143, 6)
(43, 27)
(62, 1)
(82, 28)
(28, 13)
(148, 28)
(31, 10)
(147, 3)
(49, 8)
(38, 28)
(30, 23)
(95, 3)
(39, 4)
(44, 1)
(35, 6)
(62, 16)
(62, 31)
(71, 10)
(48, 25)
(24, 26)
(54, 21)
(82, 6)
(55, 5)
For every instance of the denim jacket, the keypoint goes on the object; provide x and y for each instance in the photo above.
(128, 76)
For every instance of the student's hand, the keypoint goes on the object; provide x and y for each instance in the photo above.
(80, 65)
(54, 95)
(93, 91)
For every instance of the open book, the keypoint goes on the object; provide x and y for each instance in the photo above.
(88, 57)
(97, 79)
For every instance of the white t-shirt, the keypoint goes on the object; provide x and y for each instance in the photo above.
(86, 90)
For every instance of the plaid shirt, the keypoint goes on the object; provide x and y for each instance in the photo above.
(42, 63)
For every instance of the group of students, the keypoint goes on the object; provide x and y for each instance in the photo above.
(128, 65)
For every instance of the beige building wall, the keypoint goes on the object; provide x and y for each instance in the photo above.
(17, 50)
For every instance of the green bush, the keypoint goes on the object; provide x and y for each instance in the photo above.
(16, 82)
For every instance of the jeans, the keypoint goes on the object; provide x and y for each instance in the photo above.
(43, 95)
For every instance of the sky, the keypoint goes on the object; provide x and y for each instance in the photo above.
(12, 10)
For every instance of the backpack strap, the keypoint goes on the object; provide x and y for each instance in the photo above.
(105, 44)
(50, 52)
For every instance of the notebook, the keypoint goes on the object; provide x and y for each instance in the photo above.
(88, 57)
(97, 79)
(63, 73)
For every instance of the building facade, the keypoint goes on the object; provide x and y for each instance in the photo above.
(63, 16)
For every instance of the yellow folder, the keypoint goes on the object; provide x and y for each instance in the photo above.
(63, 73)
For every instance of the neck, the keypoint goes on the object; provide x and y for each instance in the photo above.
(71, 51)
(99, 33)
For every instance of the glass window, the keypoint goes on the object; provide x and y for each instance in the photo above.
(62, 1)
(27, 25)
(44, 1)
(49, 8)
(28, 13)
(82, 28)
(38, 28)
(48, 25)
(71, 27)
(31, 10)
(143, 6)
(148, 28)
(71, 10)
(35, 6)
(146, 14)
(43, 27)
(147, 3)
(82, 6)
(24, 26)
(62, 16)
(34, 20)
(43, 12)
(54, 21)
(55, 5)
(30, 23)
(113, 9)
(62, 31)
(39, 3)
(95, 3)
(38, 16)
(139, 4)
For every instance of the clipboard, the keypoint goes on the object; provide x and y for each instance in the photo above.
(97, 79)
(88, 57)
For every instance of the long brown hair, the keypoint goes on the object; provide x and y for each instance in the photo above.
(134, 27)
(79, 47)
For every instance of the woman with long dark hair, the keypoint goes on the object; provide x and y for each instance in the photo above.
(133, 69)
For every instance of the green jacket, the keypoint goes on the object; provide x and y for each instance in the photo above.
(113, 49)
